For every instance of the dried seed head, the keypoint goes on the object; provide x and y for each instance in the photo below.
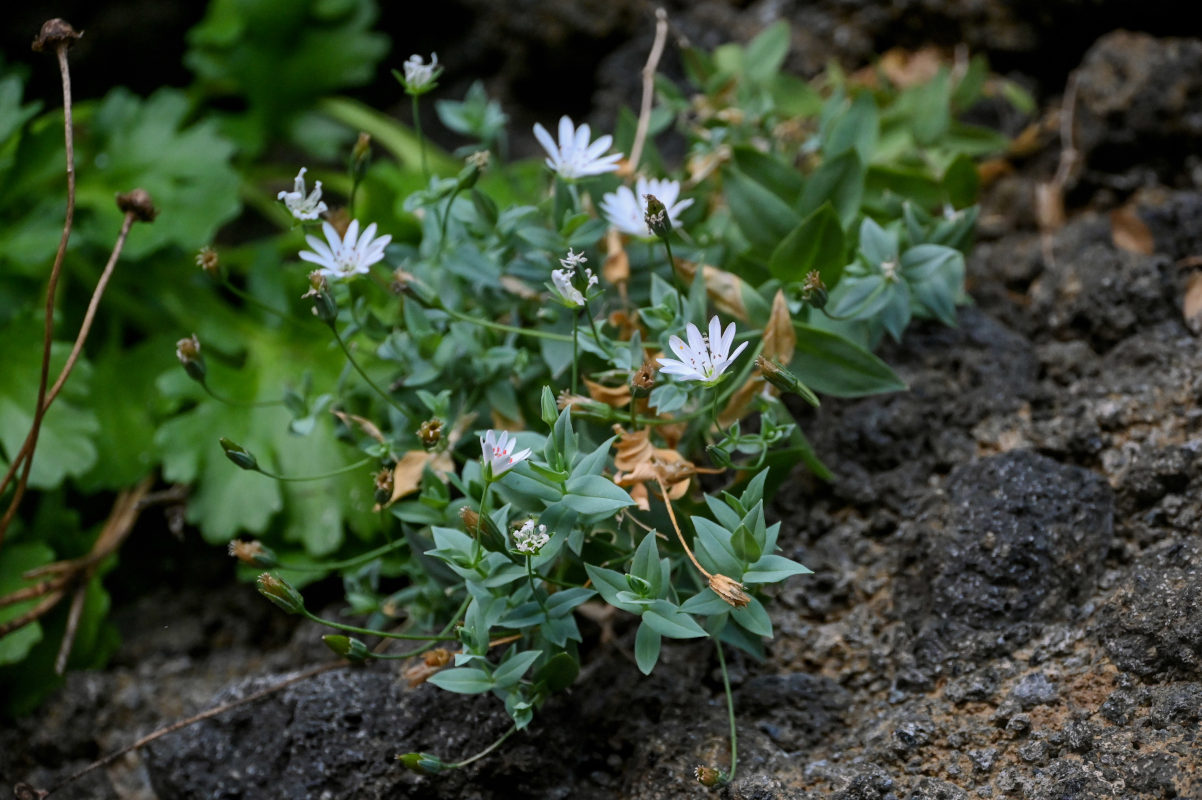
(643, 380)
(188, 353)
(207, 260)
(384, 482)
(729, 590)
(430, 433)
(707, 776)
(139, 204)
(656, 217)
(813, 291)
(254, 553)
(55, 32)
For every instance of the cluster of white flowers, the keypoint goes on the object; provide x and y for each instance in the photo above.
(562, 279)
(497, 449)
(345, 256)
(303, 206)
(574, 157)
(531, 537)
(626, 212)
(704, 358)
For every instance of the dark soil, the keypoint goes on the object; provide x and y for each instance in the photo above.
(1007, 588)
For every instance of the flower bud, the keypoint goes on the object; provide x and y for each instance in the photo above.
(139, 204)
(242, 458)
(421, 763)
(656, 217)
(719, 456)
(280, 592)
(384, 483)
(324, 307)
(471, 519)
(476, 163)
(188, 353)
(207, 260)
(779, 376)
(361, 152)
(347, 647)
(707, 776)
(253, 553)
(729, 590)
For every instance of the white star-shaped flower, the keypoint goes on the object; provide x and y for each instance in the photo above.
(499, 457)
(625, 209)
(563, 280)
(704, 358)
(531, 537)
(303, 206)
(574, 157)
(419, 76)
(344, 257)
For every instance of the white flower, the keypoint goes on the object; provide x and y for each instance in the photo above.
(346, 256)
(704, 358)
(574, 157)
(530, 538)
(563, 279)
(625, 210)
(303, 207)
(498, 453)
(419, 75)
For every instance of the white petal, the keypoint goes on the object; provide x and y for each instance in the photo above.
(545, 140)
(566, 133)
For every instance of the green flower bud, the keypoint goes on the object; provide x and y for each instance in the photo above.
(349, 648)
(242, 458)
(188, 353)
(707, 776)
(656, 217)
(719, 456)
(779, 376)
(280, 592)
(254, 553)
(813, 291)
(421, 763)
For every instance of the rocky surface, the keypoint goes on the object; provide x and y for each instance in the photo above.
(1007, 568)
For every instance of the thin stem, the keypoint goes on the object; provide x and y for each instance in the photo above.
(596, 334)
(675, 278)
(238, 403)
(676, 527)
(446, 217)
(247, 297)
(365, 376)
(349, 562)
(730, 711)
(575, 351)
(430, 645)
(498, 326)
(483, 752)
(482, 521)
(657, 51)
(421, 140)
(534, 589)
(39, 410)
(369, 632)
(340, 471)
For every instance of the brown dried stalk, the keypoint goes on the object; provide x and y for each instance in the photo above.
(657, 51)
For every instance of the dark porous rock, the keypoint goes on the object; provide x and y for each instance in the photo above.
(1151, 625)
(872, 783)
(1017, 539)
(797, 710)
(1102, 295)
(1034, 690)
(1154, 473)
(1176, 704)
(1137, 101)
(933, 789)
(1175, 222)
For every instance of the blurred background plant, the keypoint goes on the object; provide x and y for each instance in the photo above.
(850, 198)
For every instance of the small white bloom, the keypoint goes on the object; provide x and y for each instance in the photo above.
(343, 257)
(704, 358)
(574, 156)
(498, 452)
(562, 280)
(530, 538)
(301, 205)
(573, 260)
(889, 269)
(418, 74)
(626, 211)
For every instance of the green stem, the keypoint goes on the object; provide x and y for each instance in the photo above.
(730, 710)
(596, 334)
(237, 403)
(349, 562)
(421, 140)
(365, 376)
(247, 297)
(534, 589)
(446, 216)
(369, 632)
(675, 278)
(430, 645)
(348, 468)
(498, 326)
(483, 521)
(575, 351)
(483, 752)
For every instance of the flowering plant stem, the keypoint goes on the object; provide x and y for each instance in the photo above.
(499, 326)
(341, 470)
(483, 752)
(349, 357)
(534, 589)
(675, 278)
(350, 562)
(417, 651)
(250, 299)
(446, 214)
(575, 352)
(421, 140)
(482, 521)
(238, 403)
(418, 637)
(730, 711)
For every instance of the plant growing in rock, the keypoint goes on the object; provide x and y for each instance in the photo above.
(569, 408)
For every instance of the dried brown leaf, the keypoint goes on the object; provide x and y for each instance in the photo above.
(1191, 306)
(724, 288)
(1129, 232)
(615, 396)
(407, 474)
(366, 425)
(518, 287)
(1049, 206)
(780, 338)
(616, 269)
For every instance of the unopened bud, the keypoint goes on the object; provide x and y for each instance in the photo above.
(242, 458)
(139, 204)
(254, 553)
(656, 217)
(719, 456)
(707, 776)
(779, 376)
(430, 433)
(643, 380)
(729, 590)
(476, 163)
(280, 592)
(421, 763)
(55, 32)
(362, 149)
(471, 519)
(324, 307)
(347, 647)
(188, 353)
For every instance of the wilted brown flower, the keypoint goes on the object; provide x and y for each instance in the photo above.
(729, 590)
